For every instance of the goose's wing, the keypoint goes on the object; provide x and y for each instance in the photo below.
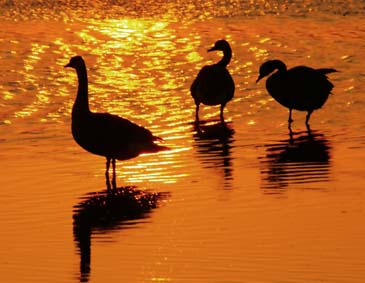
(112, 136)
(201, 82)
(211, 82)
(310, 80)
(310, 87)
(301, 88)
(120, 129)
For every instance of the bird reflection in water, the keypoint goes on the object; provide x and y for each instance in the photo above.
(303, 158)
(213, 143)
(106, 211)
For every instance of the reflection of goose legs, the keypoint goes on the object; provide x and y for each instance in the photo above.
(307, 118)
(291, 139)
(114, 182)
(107, 173)
(221, 115)
(290, 120)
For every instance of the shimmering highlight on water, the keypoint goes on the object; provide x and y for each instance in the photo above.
(246, 202)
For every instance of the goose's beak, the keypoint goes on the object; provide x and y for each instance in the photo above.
(67, 65)
(212, 49)
(259, 78)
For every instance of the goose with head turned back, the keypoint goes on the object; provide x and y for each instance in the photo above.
(301, 88)
(214, 84)
(105, 134)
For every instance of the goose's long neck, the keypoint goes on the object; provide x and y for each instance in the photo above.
(81, 104)
(227, 56)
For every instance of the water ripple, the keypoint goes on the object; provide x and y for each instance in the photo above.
(302, 159)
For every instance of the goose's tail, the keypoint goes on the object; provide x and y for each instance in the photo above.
(153, 147)
(325, 71)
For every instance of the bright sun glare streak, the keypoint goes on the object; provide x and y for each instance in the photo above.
(133, 62)
(164, 169)
(160, 279)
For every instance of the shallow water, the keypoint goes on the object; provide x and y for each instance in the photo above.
(243, 204)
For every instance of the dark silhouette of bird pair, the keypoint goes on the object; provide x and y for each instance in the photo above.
(300, 88)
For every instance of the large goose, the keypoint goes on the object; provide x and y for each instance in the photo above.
(301, 88)
(105, 134)
(214, 84)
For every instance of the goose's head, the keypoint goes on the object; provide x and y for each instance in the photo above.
(270, 66)
(75, 62)
(220, 45)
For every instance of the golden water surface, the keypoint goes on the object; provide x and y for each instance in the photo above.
(246, 205)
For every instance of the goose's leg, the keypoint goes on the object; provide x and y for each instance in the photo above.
(290, 120)
(221, 115)
(307, 119)
(114, 182)
(107, 173)
(197, 113)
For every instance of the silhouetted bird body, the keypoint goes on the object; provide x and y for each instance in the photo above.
(214, 84)
(301, 88)
(105, 134)
(112, 136)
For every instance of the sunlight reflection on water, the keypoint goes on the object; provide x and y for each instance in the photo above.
(244, 200)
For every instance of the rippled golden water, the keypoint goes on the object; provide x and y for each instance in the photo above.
(245, 204)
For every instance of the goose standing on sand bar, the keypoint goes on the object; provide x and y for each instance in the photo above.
(301, 88)
(214, 84)
(105, 134)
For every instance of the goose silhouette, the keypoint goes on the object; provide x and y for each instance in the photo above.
(301, 88)
(214, 84)
(105, 134)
